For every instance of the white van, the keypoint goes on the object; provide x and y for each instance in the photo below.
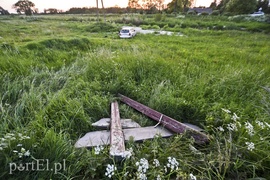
(127, 32)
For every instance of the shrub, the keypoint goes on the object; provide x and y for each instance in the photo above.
(101, 27)
(216, 13)
(158, 17)
(155, 27)
(204, 14)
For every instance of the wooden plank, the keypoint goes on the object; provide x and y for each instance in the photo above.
(166, 121)
(104, 123)
(100, 138)
(117, 148)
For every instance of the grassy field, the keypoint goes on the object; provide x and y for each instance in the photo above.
(59, 74)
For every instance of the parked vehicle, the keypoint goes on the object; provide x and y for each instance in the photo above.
(260, 13)
(127, 32)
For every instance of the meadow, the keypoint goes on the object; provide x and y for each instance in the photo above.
(59, 74)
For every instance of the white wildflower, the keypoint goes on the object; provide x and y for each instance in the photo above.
(158, 177)
(192, 177)
(98, 149)
(226, 110)
(24, 137)
(165, 169)
(128, 153)
(142, 176)
(20, 155)
(235, 117)
(27, 153)
(19, 145)
(250, 146)
(267, 124)
(110, 170)
(4, 145)
(232, 127)
(172, 163)
(1, 148)
(156, 163)
(261, 124)
(249, 128)
(22, 150)
(143, 165)
(220, 129)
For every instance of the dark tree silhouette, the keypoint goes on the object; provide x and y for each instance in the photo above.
(3, 11)
(24, 6)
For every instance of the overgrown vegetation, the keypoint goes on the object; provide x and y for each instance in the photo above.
(58, 76)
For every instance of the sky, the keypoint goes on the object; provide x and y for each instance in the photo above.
(67, 4)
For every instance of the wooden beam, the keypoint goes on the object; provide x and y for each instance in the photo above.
(117, 148)
(166, 121)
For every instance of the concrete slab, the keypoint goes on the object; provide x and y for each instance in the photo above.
(104, 123)
(150, 132)
(99, 138)
(95, 138)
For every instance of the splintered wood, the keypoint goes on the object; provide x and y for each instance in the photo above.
(117, 140)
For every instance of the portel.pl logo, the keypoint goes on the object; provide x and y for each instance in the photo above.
(38, 165)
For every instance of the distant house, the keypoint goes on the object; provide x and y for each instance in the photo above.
(200, 10)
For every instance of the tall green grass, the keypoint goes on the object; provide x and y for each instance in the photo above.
(54, 86)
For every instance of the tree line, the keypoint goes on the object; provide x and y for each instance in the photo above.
(152, 6)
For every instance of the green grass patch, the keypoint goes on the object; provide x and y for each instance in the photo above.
(57, 81)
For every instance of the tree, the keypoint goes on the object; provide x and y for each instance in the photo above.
(3, 11)
(179, 5)
(24, 6)
(213, 5)
(134, 4)
(221, 6)
(265, 5)
(241, 7)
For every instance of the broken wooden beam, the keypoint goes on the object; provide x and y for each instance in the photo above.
(166, 121)
(117, 148)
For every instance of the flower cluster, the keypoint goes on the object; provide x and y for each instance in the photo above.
(98, 149)
(127, 154)
(234, 125)
(143, 165)
(235, 117)
(172, 163)
(110, 170)
(249, 128)
(156, 163)
(192, 177)
(250, 146)
(22, 152)
(260, 124)
(11, 137)
(220, 129)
